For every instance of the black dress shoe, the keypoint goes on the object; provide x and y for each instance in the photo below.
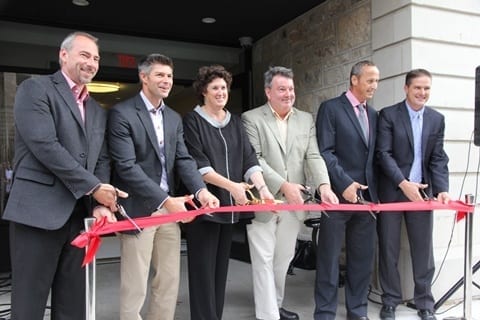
(358, 318)
(426, 315)
(387, 313)
(287, 315)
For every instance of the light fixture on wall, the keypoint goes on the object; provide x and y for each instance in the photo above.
(102, 87)
(245, 42)
(81, 3)
(209, 20)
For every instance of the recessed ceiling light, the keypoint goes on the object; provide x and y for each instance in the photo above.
(81, 3)
(209, 20)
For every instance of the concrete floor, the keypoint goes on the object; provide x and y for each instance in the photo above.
(239, 298)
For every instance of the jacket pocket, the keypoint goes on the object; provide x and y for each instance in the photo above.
(29, 174)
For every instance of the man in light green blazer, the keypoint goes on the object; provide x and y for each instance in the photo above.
(286, 146)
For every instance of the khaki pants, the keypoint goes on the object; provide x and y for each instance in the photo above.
(158, 247)
(272, 247)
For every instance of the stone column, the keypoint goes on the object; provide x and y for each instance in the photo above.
(442, 37)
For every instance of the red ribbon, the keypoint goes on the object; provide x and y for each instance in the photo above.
(91, 239)
(460, 215)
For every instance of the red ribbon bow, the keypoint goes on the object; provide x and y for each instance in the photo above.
(91, 240)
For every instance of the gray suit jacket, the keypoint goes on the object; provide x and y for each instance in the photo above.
(58, 159)
(291, 162)
(136, 154)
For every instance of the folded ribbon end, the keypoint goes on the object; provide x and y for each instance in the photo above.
(460, 215)
(90, 240)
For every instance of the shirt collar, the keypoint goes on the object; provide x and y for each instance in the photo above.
(212, 121)
(82, 95)
(413, 113)
(150, 107)
(276, 115)
(353, 100)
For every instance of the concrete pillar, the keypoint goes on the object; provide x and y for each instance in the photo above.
(442, 37)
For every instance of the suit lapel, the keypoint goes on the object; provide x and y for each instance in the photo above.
(272, 125)
(371, 113)
(405, 120)
(90, 117)
(292, 131)
(169, 127)
(425, 130)
(348, 108)
(66, 93)
(145, 119)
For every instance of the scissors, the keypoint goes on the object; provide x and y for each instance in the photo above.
(189, 201)
(251, 199)
(123, 213)
(361, 200)
(424, 194)
(310, 197)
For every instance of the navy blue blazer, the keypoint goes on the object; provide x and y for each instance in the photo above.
(394, 151)
(136, 156)
(348, 156)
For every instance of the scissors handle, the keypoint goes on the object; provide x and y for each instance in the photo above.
(423, 194)
(361, 200)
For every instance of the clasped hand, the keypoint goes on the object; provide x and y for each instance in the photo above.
(107, 195)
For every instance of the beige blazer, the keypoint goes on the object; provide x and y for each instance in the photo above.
(294, 161)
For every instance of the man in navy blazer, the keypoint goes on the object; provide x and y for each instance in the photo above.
(148, 150)
(412, 159)
(346, 131)
(61, 163)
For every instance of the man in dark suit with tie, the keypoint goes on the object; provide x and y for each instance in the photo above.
(61, 163)
(412, 162)
(148, 150)
(346, 131)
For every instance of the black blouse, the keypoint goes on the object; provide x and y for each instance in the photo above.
(221, 147)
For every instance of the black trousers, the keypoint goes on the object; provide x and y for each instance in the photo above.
(44, 260)
(419, 225)
(208, 247)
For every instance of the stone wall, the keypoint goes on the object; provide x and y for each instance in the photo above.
(320, 46)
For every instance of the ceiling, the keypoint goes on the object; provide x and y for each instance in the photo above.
(169, 20)
(166, 20)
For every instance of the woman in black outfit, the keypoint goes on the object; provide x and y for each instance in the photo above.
(218, 142)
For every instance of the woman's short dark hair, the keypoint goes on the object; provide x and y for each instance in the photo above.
(207, 74)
